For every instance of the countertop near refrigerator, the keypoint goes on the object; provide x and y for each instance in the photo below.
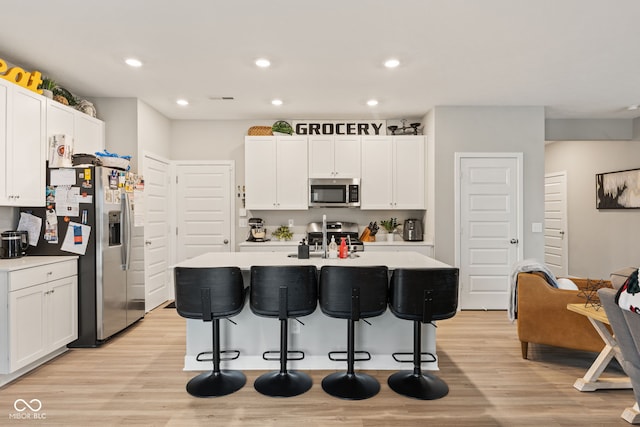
(21, 263)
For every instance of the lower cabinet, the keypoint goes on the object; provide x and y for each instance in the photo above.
(42, 314)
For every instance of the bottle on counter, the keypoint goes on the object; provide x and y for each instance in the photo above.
(333, 248)
(303, 250)
(344, 251)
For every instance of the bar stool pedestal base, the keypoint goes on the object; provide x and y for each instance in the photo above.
(287, 384)
(355, 386)
(419, 386)
(215, 384)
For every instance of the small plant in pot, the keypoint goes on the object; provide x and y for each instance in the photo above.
(48, 86)
(390, 225)
(282, 233)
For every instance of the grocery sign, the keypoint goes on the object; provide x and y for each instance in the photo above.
(340, 127)
(28, 80)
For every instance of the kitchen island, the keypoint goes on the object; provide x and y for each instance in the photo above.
(320, 334)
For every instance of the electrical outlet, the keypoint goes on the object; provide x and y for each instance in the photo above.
(242, 222)
(290, 223)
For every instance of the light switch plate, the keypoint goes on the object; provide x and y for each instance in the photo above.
(242, 222)
(536, 227)
(290, 223)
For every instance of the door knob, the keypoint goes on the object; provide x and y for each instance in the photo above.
(513, 241)
(225, 241)
(562, 232)
(147, 242)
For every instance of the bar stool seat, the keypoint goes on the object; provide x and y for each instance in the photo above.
(352, 293)
(283, 292)
(421, 295)
(211, 294)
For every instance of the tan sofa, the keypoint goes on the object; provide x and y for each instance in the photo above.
(543, 317)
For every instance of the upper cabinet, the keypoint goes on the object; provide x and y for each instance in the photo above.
(87, 132)
(334, 156)
(276, 172)
(22, 146)
(393, 172)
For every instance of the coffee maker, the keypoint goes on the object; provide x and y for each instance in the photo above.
(13, 244)
(257, 232)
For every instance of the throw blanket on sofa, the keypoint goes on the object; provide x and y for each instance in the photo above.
(525, 266)
(628, 296)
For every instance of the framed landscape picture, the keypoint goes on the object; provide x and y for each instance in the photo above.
(618, 190)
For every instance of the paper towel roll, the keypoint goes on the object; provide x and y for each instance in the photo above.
(61, 151)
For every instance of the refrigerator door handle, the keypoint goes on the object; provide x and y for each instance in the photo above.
(126, 232)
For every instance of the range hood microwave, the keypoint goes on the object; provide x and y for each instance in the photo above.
(336, 193)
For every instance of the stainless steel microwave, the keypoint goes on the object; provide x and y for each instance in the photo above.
(336, 193)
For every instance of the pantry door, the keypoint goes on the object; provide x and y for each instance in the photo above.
(157, 231)
(204, 197)
(488, 226)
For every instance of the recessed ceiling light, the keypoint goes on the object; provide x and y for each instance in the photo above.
(277, 102)
(133, 62)
(263, 63)
(372, 102)
(633, 107)
(391, 63)
(182, 102)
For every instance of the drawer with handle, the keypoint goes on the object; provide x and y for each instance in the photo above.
(20, 279)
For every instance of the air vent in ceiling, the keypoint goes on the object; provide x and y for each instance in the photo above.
(221, 98)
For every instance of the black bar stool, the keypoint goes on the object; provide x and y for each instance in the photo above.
(421, 295)
(352, 293)
(211, 294)
(284, 292)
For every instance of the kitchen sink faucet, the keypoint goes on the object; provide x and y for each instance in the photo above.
(324, 236)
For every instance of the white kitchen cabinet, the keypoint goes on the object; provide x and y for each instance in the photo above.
(86, 132)
(276, 175)
(22, 125)
(393, 172)
(334, 156)
(40, 316)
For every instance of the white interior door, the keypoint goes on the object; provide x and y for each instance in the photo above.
(156, 231)
(556, 242)
(204, 195)
(489, 226)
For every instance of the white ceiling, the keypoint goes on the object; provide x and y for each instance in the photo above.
(578, 58)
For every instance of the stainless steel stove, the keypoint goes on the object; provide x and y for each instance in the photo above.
(338, 229)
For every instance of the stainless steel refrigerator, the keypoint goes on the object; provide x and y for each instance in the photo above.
(110, 293)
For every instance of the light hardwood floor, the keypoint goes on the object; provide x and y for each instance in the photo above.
(137, 379)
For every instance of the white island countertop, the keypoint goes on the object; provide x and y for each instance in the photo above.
(245, 260)
(252, 335)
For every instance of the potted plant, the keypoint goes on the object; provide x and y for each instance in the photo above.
(48, 85)
(390, 225)
(281, 128)
(282, 233)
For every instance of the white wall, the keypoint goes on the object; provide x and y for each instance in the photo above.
(488, 129)
(8, 218)
(154, 133)
(121, 125)
(600, 241)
